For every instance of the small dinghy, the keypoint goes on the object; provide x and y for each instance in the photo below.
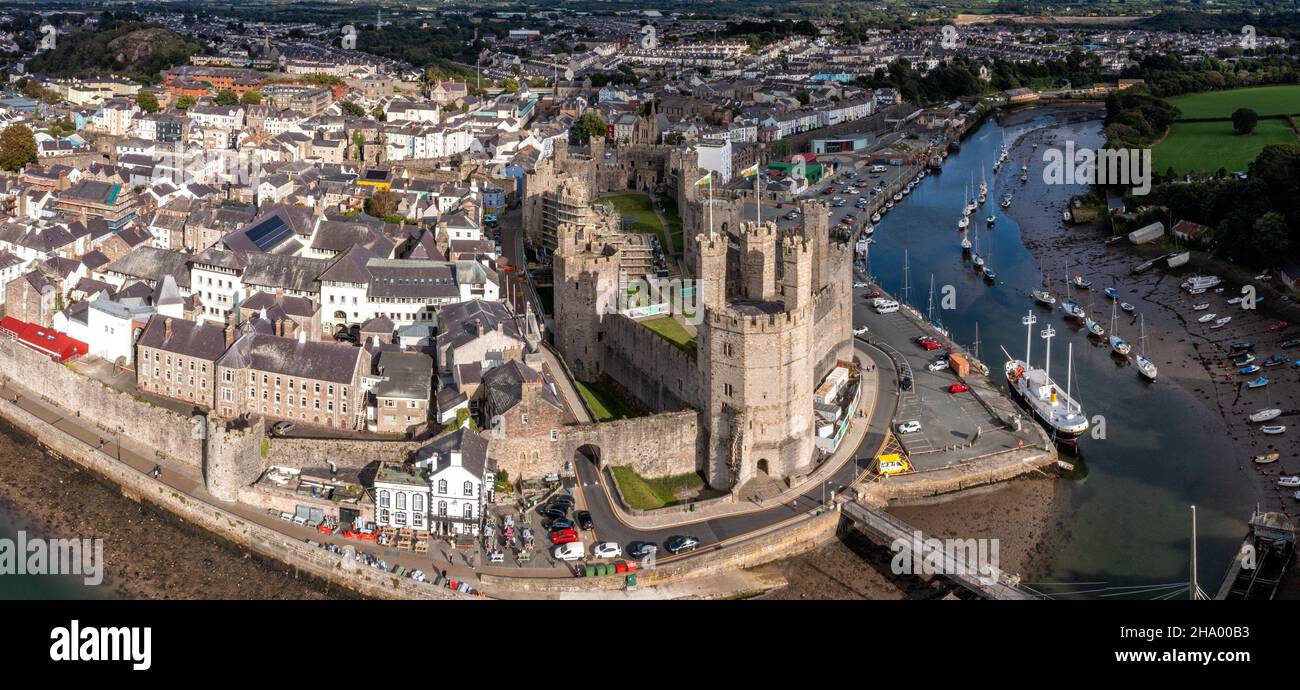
(1243, 360)
(1273, 429)
(1265, 458)
(1095, 328)
(1082, 284)
(1220, 323)
(1201, 307)
(1275, 360)
(1248, 370)
(1112, 293)
(1266, 415)
(1044, 297)
(1208, 317)
(1258, 383)
(1290, 480)
(1127, 307)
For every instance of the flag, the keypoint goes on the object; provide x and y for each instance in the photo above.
(751, 170)
(706, 180)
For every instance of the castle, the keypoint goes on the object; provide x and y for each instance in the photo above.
(777, 317)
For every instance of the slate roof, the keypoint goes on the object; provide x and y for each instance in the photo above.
(190, 339)
(313, 359)
(152, 263)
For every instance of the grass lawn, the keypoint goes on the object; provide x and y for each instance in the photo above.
(674, 219)
(669, 329)
(648, 494)
(636, 207)
(1265, 100)
(606, 404)
(1205, 146)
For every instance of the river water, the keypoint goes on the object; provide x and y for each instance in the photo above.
(1126, 518)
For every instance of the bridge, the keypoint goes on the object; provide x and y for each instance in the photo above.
(887, 529)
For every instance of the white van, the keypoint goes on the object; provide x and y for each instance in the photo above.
(569, 552)
(878, 168)
(887, 307)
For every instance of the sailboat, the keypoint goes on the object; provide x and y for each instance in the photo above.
(1145, 366)
(989, 276)
(984, 187)
(1041, 295)
(1053, 407)
(1006, 200)
(965, 244)
(977, 261)
(1093, 327)
(1118, 345)
(929, 315)
(971, 206)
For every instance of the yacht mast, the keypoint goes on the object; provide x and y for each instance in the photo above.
(1069, 375)
(1029, 322)
(1047, 334)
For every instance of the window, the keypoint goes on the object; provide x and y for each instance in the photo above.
(442, 508)
(417, 503)
(383, 517)
(469, 511)
(442, 486)
(401, 500)
(469, 488)
(383, 499)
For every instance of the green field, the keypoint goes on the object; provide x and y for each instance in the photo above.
(668, 329)
(605, 403)
(1207, 146)
(1265, 100)
(648, 494)
(636, 207)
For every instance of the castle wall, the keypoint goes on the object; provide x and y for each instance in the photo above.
(657, 373)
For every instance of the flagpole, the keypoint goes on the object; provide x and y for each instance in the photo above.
(710, 204)
(758, 198)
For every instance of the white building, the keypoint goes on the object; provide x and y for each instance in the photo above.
(444, 493)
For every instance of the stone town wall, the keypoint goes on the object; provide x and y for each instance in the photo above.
(298, 453)
(169, 433)
(263, 540)
(657, 373)
(656, 446)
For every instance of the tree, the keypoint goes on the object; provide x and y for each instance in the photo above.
(359, 141)
(184, 102)
(1244, 120)
(803, 97)
(251, 97)
(378, 113)
(510, 85)
(591, 124)
(147, 101)
(1272, 239)
(382, 203)
(352, 109)
(226, 97)
(17, 147)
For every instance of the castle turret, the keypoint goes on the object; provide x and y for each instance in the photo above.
(796, 279)
(586, 289)
(758, 261)
(711, 270)
(817, 229)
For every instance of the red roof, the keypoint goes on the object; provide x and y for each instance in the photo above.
(1187, 228)
(46, 341)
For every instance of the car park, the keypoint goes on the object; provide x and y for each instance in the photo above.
(909, 427)
(681, 544)
(607, 549)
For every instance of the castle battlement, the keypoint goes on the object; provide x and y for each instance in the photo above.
(750, 228)
(778, 322)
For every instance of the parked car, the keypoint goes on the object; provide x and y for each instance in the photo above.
(562, 500)
(641, 549)
(905, 383)
(281, 428)
(931, 345)
(874, 294)
(937, 365)
(345, 337)
(584, 520)
(860, 330)
(552, 511)
(909, 427)
(958, 388)
(607, 549)
(570, 551)
(559, 524)
(564, 536)
(680, 544)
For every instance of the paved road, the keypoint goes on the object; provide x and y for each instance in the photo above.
(718, 530)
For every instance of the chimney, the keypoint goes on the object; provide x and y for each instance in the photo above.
(167, 328)
(279, 295)
(454, 457)
(302, 336)
(229, 333)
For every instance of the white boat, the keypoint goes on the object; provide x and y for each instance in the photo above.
(875, 217)
(965, 243)
(1266, 415)
(898, 197)
(1220, 323)
(1065, 215)
(1145, 366)
(1201, 283)
(1177, 259)
(1273, 429)
(1291, 480)
(990, 220)
(1196, 291)
(1044, 297)
(1073, 310)
(1006, 201)
(1206, 318)
(1094, 327)
(978, 261)
(1118, 345)
(963, 223)
(1052, 406)
(1200, 306)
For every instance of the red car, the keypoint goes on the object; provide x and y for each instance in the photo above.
(930, 345)
(872, 295)
(958, 388)
(564, 536)
(829, 190)
(1280, 325)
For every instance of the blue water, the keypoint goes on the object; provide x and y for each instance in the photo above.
(1127, 520)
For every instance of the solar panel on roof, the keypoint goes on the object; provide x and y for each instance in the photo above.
(268, 233)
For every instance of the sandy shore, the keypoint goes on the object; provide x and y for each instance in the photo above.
(148, 553)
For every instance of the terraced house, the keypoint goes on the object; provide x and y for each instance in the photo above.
(87, 199)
